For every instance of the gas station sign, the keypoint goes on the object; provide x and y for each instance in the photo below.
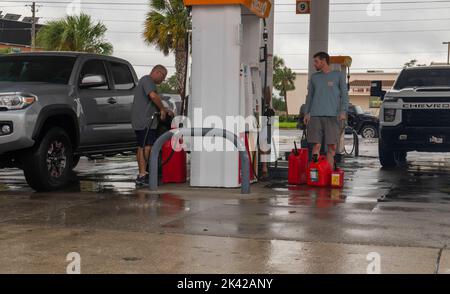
(303, 6)
(259, 7)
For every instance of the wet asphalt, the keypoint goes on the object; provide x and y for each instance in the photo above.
(403, 214)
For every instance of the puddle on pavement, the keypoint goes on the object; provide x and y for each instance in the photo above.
(426, 179)
(420, 182)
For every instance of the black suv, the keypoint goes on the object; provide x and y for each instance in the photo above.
(365, 124)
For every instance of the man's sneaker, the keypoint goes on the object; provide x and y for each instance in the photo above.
(142, 181)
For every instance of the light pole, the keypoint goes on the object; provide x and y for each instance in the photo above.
(33, 7)
(448, 55)
(318, 30)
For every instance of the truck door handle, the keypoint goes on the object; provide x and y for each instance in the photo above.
(112, 100)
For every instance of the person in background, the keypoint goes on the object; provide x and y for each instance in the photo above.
(147, 103)
(326, 106)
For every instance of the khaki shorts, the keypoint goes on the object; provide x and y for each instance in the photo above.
(320, 126)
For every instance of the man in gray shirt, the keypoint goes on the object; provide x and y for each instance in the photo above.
(326, 106)
(146, 103)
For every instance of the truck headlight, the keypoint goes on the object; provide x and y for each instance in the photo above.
(16, 101)
(390, 99)
(389, 114)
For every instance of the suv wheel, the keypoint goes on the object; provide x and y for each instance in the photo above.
(48, 165)
(389, 157)
(369, 132)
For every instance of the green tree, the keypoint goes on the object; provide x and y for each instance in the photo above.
(74, 33)
(283, 79)
(170, 86)
(278, 104)
(165, 28)
(412, 63)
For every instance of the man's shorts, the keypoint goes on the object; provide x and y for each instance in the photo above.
(146, 140)
(323, 126)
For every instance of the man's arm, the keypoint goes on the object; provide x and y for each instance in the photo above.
(158, 102)
(309, 97)
(308, 103)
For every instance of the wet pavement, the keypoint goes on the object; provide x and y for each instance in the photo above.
(401, 214)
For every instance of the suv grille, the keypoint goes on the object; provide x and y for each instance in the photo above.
(426, 118)
(425, 99)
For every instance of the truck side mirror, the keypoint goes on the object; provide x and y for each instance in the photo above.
(383, 93)
(376, 88)
(90, 81)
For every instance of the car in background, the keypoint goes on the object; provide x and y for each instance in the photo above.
(363, 123)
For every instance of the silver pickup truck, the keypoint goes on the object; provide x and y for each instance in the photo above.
(58, 106)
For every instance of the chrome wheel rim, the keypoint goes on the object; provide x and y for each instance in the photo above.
(56, 159)
(369, 133)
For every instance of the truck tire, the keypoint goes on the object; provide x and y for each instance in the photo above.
(48, 165)
(369, 132)
(389, 157)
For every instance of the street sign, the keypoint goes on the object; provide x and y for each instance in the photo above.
(303, 6)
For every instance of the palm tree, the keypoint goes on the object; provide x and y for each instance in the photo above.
(283, 79)
(165, 28)
(278, 63)
(74, 33)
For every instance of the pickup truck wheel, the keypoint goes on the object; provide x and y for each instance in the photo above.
(47, 166)
(386, 155)
(369, 132)
(389, 157)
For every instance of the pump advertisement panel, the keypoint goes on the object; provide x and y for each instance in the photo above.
(259, 7)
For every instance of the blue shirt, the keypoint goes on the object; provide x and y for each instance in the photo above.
(327, 94)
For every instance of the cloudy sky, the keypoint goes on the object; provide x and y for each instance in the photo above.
(378, 40)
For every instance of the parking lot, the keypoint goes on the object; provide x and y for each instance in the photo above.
(402, 215)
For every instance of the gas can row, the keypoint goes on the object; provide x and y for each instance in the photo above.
(317, 173)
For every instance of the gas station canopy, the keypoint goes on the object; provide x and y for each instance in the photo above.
(259, 7)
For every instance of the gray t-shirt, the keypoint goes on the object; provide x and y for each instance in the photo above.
(143, 107)
(327, 94)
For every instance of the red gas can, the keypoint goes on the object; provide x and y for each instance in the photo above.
(337, 178)
(174, 164)
(298, 166)
(319, 172)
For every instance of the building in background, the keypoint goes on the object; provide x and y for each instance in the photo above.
(15, 33)
(359, 90)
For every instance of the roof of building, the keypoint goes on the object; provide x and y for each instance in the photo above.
(367, 83)
(16, 32)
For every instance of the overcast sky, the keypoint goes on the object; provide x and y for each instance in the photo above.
(384, 40)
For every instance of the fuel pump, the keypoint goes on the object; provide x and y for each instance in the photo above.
(226, 83)
(341, 64)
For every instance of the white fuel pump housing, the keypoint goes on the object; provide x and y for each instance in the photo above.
(225, 84)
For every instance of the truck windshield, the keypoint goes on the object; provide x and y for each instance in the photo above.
(44, 69)
(358, 109)
(437, 77)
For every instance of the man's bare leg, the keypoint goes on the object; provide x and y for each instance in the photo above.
(331, 153)
(316, 150)
(142, 159)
